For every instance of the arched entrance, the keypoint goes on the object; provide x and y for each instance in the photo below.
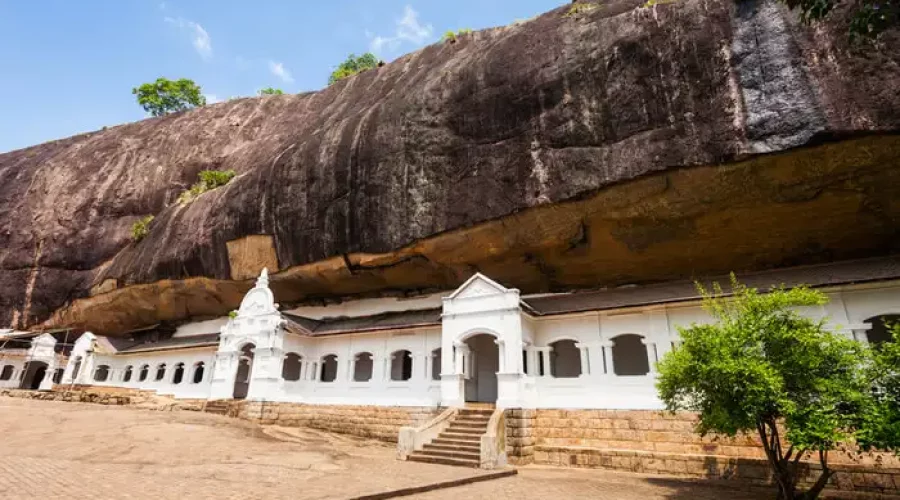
(244, 371)
(482, 365)
(35, 371)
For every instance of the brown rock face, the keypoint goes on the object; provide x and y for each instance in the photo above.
(622, 145)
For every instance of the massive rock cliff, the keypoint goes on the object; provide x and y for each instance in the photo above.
(625, 144)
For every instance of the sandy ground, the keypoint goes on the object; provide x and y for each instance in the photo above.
(55, 450)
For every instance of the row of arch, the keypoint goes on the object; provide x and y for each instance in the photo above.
(102, 373)
(326, 368)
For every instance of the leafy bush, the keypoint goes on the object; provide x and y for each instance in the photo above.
(352, 66)
(168, 96)
(763, 368)
(868, 18)
(270, 91)
(451, 36)
(580, 7)
(141, 228)
(209, 180)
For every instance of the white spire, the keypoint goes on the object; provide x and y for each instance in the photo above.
(263, 280)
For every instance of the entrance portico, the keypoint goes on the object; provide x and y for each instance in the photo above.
(481, 345)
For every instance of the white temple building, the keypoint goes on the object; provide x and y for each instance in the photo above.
(480, 343)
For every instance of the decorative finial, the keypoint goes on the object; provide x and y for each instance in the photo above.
(263, 280)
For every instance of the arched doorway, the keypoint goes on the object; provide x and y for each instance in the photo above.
(35, 371)
(482, 365)
(244, 371)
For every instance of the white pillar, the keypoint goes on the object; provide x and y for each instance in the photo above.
(608, 358)
(585, 359)
(545, 355)
(650, 348)
(501, 352)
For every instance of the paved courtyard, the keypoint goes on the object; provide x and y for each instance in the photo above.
(55, 450)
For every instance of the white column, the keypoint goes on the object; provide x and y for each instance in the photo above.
(585, 359)
(501, 352)
(460, 355)
(608, 358)
(545, 355)
(650, 347)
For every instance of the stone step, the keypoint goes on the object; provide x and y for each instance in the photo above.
(472, 438)
(461, 446)
(468, 425)
(451, 441)
(481, 413)
(420, 457)
(460, 455)
(465, 430)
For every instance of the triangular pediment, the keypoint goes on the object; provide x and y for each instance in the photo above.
(478, 285)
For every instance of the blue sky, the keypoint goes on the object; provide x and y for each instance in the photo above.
(69, 66)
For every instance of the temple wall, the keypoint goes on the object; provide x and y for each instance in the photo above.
(118, 365)
(381, 423)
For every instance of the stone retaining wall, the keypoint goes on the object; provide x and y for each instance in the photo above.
(377, 422)
(663, 443)
(76, 396)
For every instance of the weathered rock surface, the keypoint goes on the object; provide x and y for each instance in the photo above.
(626, 144)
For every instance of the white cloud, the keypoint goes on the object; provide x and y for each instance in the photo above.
(212, 98)
(408, 29)
(281, 72)
(201, 40)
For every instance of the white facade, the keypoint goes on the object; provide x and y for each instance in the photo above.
(487, 348)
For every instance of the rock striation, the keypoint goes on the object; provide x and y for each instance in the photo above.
(623, 144)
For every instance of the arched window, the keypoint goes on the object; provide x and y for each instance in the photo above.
(881, 328)
(629, 355)
(198, 372)
(101, 373)
(160, 372)
(126, 377)
(362, 368)
(145, 370)
(7, 372)
(436, 364)
(179, 374)
(58, 375)
(329, 368)
(401, 365)
(76, 368)
(565, 359)
(290, 367)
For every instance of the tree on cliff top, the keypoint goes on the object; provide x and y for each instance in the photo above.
(166, 96)
(868, 18)
(352, 66)
(270, 91)
(764, 368)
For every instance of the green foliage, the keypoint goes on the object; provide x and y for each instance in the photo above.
(651, 3)
(209, 180)
(868, 18)
(762, 364)
(880, 427)
(270, 91)
(233, 314)
(352, 66)
(580, 7)
(141, 228)
(167, 96)
(451, 35)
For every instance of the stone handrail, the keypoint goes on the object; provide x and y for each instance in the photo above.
(413, 438)
(493, 442)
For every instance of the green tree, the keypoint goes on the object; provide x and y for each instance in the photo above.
(880, 427)
(762, 367)
(352, 66)
(868, 18)
(270, 91)
(166, 96)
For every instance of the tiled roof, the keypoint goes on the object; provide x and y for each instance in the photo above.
(840, 273)
(205, 340)
(384, 321)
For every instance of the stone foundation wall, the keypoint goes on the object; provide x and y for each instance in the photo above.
(76, 396)
(663, 443)
(376, 422)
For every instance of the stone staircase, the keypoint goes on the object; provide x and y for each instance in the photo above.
(217, 406)
(460, 443)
